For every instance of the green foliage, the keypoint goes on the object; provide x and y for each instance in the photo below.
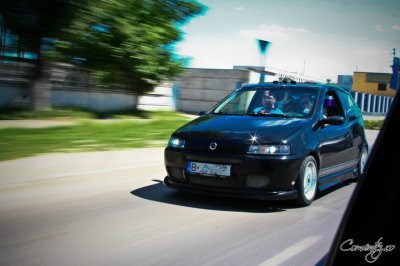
(34, 22)
(126, 42)
(129, 40)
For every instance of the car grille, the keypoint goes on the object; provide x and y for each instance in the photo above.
(212, 181)
(212, 159)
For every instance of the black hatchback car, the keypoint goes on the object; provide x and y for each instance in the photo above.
(270, 141)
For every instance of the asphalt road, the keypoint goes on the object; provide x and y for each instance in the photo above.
(110, 208)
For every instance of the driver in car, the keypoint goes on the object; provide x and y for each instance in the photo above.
(269, 105)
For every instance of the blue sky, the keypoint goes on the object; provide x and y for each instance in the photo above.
(332, 37)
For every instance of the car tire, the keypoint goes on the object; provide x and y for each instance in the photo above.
(362, 161)
(306, 184)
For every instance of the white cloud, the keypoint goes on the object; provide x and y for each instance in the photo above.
(279, 28)
(396, 27)
(262, 33)
(239, 8)
(378, 27)
(268, 31)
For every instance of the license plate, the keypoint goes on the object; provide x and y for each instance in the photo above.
(208, 169)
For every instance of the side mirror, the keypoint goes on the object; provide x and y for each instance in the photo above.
(203, 112)
(332, 120)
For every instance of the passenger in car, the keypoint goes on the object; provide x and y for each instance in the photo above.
(291, 105)
(306, 103)
(269, 105)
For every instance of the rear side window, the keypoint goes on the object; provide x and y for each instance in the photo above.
(350, 107)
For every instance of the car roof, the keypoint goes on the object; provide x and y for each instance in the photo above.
(280, 85)
(318, 86)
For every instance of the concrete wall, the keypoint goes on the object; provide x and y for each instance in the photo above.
(96, 100)
(66, 86)
(202, 89)
(159, 99)
(13, 97)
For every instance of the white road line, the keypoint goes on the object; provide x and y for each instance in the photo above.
(291, 251)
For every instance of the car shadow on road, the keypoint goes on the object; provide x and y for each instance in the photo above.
(158, 192)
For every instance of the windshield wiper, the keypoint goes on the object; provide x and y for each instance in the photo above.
(275, 115)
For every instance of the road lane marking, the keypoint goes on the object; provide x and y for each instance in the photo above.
(291, 251)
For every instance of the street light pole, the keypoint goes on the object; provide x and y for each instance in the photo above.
(263, 45)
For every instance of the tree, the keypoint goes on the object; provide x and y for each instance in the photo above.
(119, 39)
(329, 81)
(35, 22)
(127, 38)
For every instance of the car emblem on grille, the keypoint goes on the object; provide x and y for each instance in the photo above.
(213, 145)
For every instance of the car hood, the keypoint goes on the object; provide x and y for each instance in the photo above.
(238, 130)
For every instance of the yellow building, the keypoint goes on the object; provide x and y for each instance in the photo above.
(373, 83)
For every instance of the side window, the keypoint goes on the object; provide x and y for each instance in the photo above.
(349, 106)
(332, 105)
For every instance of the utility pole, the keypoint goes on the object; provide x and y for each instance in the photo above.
(394, 84)
(394, 55)
(263, 45)
(304, 68)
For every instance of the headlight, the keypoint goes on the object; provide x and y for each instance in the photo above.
(270, 149)
(176, 143)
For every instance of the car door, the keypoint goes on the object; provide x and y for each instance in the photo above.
(354, 117)
(335, 144)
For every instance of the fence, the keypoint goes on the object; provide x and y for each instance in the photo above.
(371, 104)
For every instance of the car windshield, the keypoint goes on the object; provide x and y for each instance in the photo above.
(288, 102)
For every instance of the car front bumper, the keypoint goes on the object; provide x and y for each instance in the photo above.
(282, 172)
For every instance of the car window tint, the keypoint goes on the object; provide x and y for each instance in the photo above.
(349, 106)
(285, 101)
(237, 103)
(332, 105)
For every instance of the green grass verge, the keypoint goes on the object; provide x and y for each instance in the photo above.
(68, 114)
(375, 125)
(152, 131)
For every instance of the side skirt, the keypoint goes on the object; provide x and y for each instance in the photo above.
(333, 179)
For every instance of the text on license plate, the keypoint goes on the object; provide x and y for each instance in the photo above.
(209, 169)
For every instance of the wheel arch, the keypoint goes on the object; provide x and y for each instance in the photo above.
(317, 158)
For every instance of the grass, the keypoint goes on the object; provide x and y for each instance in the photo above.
(149, 129)
(375, 125)
(68, 114)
